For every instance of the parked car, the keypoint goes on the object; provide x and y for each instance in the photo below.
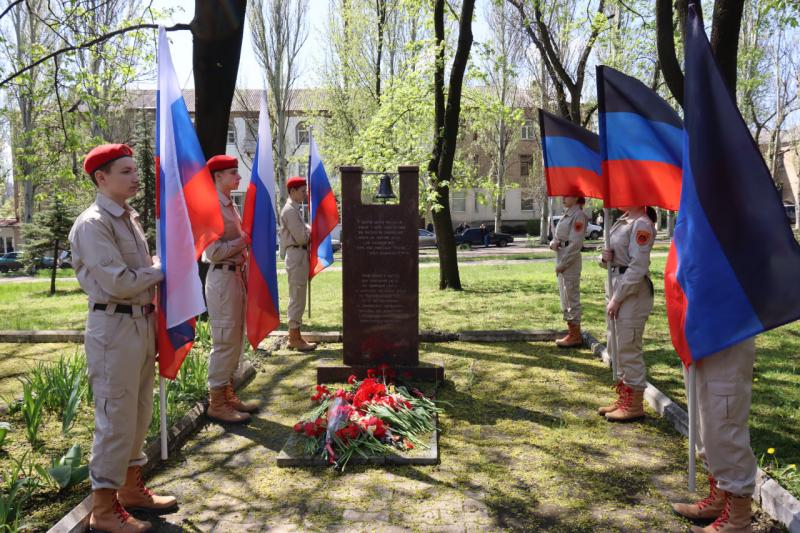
(11, 261)
(65, 259)
(474, 237)
(426, 239)
(593, 231)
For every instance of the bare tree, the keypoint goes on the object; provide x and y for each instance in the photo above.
(279, 32)
(23, 43)
(547, 34)
(504, 113)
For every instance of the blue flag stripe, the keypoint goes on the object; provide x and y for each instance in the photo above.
(735, 189)
(566, 152)
(655, 141)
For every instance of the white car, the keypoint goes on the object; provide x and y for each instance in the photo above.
(593, 231)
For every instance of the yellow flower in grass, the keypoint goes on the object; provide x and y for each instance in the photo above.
(771, 451)
(792, 467)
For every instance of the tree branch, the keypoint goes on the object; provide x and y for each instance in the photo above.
(10, 7)
(89, 44)
(665, 42)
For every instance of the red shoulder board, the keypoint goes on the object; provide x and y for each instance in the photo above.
(642, 237)
(579, 225)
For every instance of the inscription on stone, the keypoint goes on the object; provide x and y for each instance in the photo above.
(380, 274)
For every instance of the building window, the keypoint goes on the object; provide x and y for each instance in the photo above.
(303, 133)
(526, 202)
(237, 198)
(525, 162)
(8, 244)
(527, 130)
(302, 169)
(458, 201)
(231, 133)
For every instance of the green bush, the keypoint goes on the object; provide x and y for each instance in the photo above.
(68, 470)
(32, 412)
(533, 226)
(17, 485)
(62, 385)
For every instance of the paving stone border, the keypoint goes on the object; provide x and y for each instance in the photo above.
(503, 335)
(77, 520)
(776, 501)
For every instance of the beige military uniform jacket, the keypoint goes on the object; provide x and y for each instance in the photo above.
(631, 239)
(570, 233)
(293, 232)
(228, 248)
(110, 255)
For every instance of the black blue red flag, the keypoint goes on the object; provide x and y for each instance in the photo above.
(641, 143)
(571, 158)
(733, 267)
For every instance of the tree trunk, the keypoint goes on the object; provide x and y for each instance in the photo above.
(54, 268)
(217, 29)
(543, 222)
(670, 223)
(446, 135)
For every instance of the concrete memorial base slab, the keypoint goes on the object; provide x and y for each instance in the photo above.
(293, 454)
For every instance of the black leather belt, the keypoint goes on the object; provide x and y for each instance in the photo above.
(564, 244)
(620, 269)
(219, 266)
(126, 309)
(303, 246)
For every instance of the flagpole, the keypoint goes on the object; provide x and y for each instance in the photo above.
(692, 401)
(612, 324)
(308, 187)
(162, 398)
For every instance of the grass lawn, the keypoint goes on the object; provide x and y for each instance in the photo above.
(503, 297)
(521, 449)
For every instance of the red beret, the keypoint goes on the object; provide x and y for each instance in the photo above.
(104, 154)
(222, 162)
(294, 182)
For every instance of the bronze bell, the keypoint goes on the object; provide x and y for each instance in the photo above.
(385, 191)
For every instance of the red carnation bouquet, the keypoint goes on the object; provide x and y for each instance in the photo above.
(372, 417)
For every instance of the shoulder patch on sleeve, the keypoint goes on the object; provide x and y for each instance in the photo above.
(579, 225)
(642, 237)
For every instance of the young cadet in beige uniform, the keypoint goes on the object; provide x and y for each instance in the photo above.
(724, 390)
(225, 298)
(114, 267)
(567, 243)
(294, 234)
(630, 300)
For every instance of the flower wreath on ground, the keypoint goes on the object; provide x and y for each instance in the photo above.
(372, 417)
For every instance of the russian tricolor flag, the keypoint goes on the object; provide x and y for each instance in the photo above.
(640, 143)
(324, 213)
(188, 217)
(259, 223)
(733, 267)
(572, 165)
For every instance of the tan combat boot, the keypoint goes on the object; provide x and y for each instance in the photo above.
(220, 411)
(135, 496)
(707, 509)
(236, 403)
(736, 516)
(573, 337)
(619, 387)
(296, 342)
(109, 516)
(631, 408)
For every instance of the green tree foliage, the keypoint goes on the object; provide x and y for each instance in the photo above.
(48, 234)
(145, 201)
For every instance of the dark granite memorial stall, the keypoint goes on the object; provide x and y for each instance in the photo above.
(380, 282)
